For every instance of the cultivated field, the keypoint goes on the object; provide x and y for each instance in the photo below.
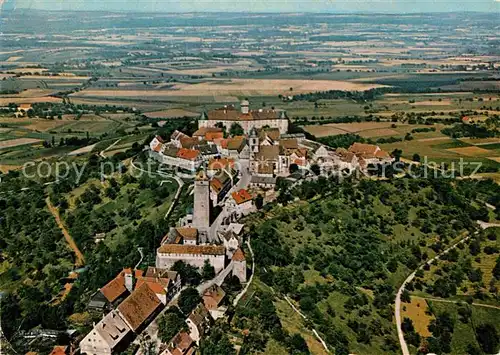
(417, 312)
(238, 87)
(17, 142)
(171, 113)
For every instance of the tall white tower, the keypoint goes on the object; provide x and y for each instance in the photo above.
(239, 265)
(201, 212)
(245, 107)
(253, 142)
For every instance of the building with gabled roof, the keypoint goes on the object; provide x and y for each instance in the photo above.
(213, 296)
(370, 153)
(199, 322)
(195, 255)
(111, 335)
(181, 344)
(115, 290)
(241, 196)
(246, 118)
(140, 307)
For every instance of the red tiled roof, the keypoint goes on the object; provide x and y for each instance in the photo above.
(211, 136)
(192, 249)
(188, 233)
(216, 185)
(361, 148)
(204, 130)
(158, 147)
(238, 255)
(59, 350)
(216, 293)
(114, 289)
(219, 164)
(229, 113)
(188, 142)
(160, 139)
(241, 196)
(300, 162)
(139, 306)
(155, 285)
(188, 154)
(180, 343)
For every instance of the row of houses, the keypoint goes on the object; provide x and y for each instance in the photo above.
(198, 323)
(189, 153)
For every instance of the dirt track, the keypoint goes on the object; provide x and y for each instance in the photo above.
(80, 260)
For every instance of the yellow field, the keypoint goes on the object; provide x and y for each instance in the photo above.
(30, 93)
(373, 133)
(323, 131)
(479, 141)
(416, 312)
(471, 151)
(171, 113)
(45, 125)
(17, 142)
(6, 168)
(13, 59)
(239, 87)
(4, 101)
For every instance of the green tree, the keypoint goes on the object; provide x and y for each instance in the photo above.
(298, 345)
(259, 201)
(216, 344)
(208, 271)
(171, 323)
(488, 338)
(236, 130)
(188, 300)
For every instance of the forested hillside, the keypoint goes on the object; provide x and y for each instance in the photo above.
(343, 250)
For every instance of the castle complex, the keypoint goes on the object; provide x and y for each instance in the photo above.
(246, 118)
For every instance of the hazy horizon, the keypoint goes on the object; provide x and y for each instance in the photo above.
(258, 6)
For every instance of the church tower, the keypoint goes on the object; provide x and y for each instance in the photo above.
(239, 265)
(245, 109)
(201, 212)
(253, 142)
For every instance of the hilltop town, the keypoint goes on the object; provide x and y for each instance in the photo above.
(249, 183)
(233, 160)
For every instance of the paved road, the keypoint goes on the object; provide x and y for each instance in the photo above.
(241, 184)
(397, 310)
(80, 260)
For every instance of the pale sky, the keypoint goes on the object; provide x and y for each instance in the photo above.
(395, 6)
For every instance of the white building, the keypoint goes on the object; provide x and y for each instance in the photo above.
(194, 255)
(108, 336)
(246, 118)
